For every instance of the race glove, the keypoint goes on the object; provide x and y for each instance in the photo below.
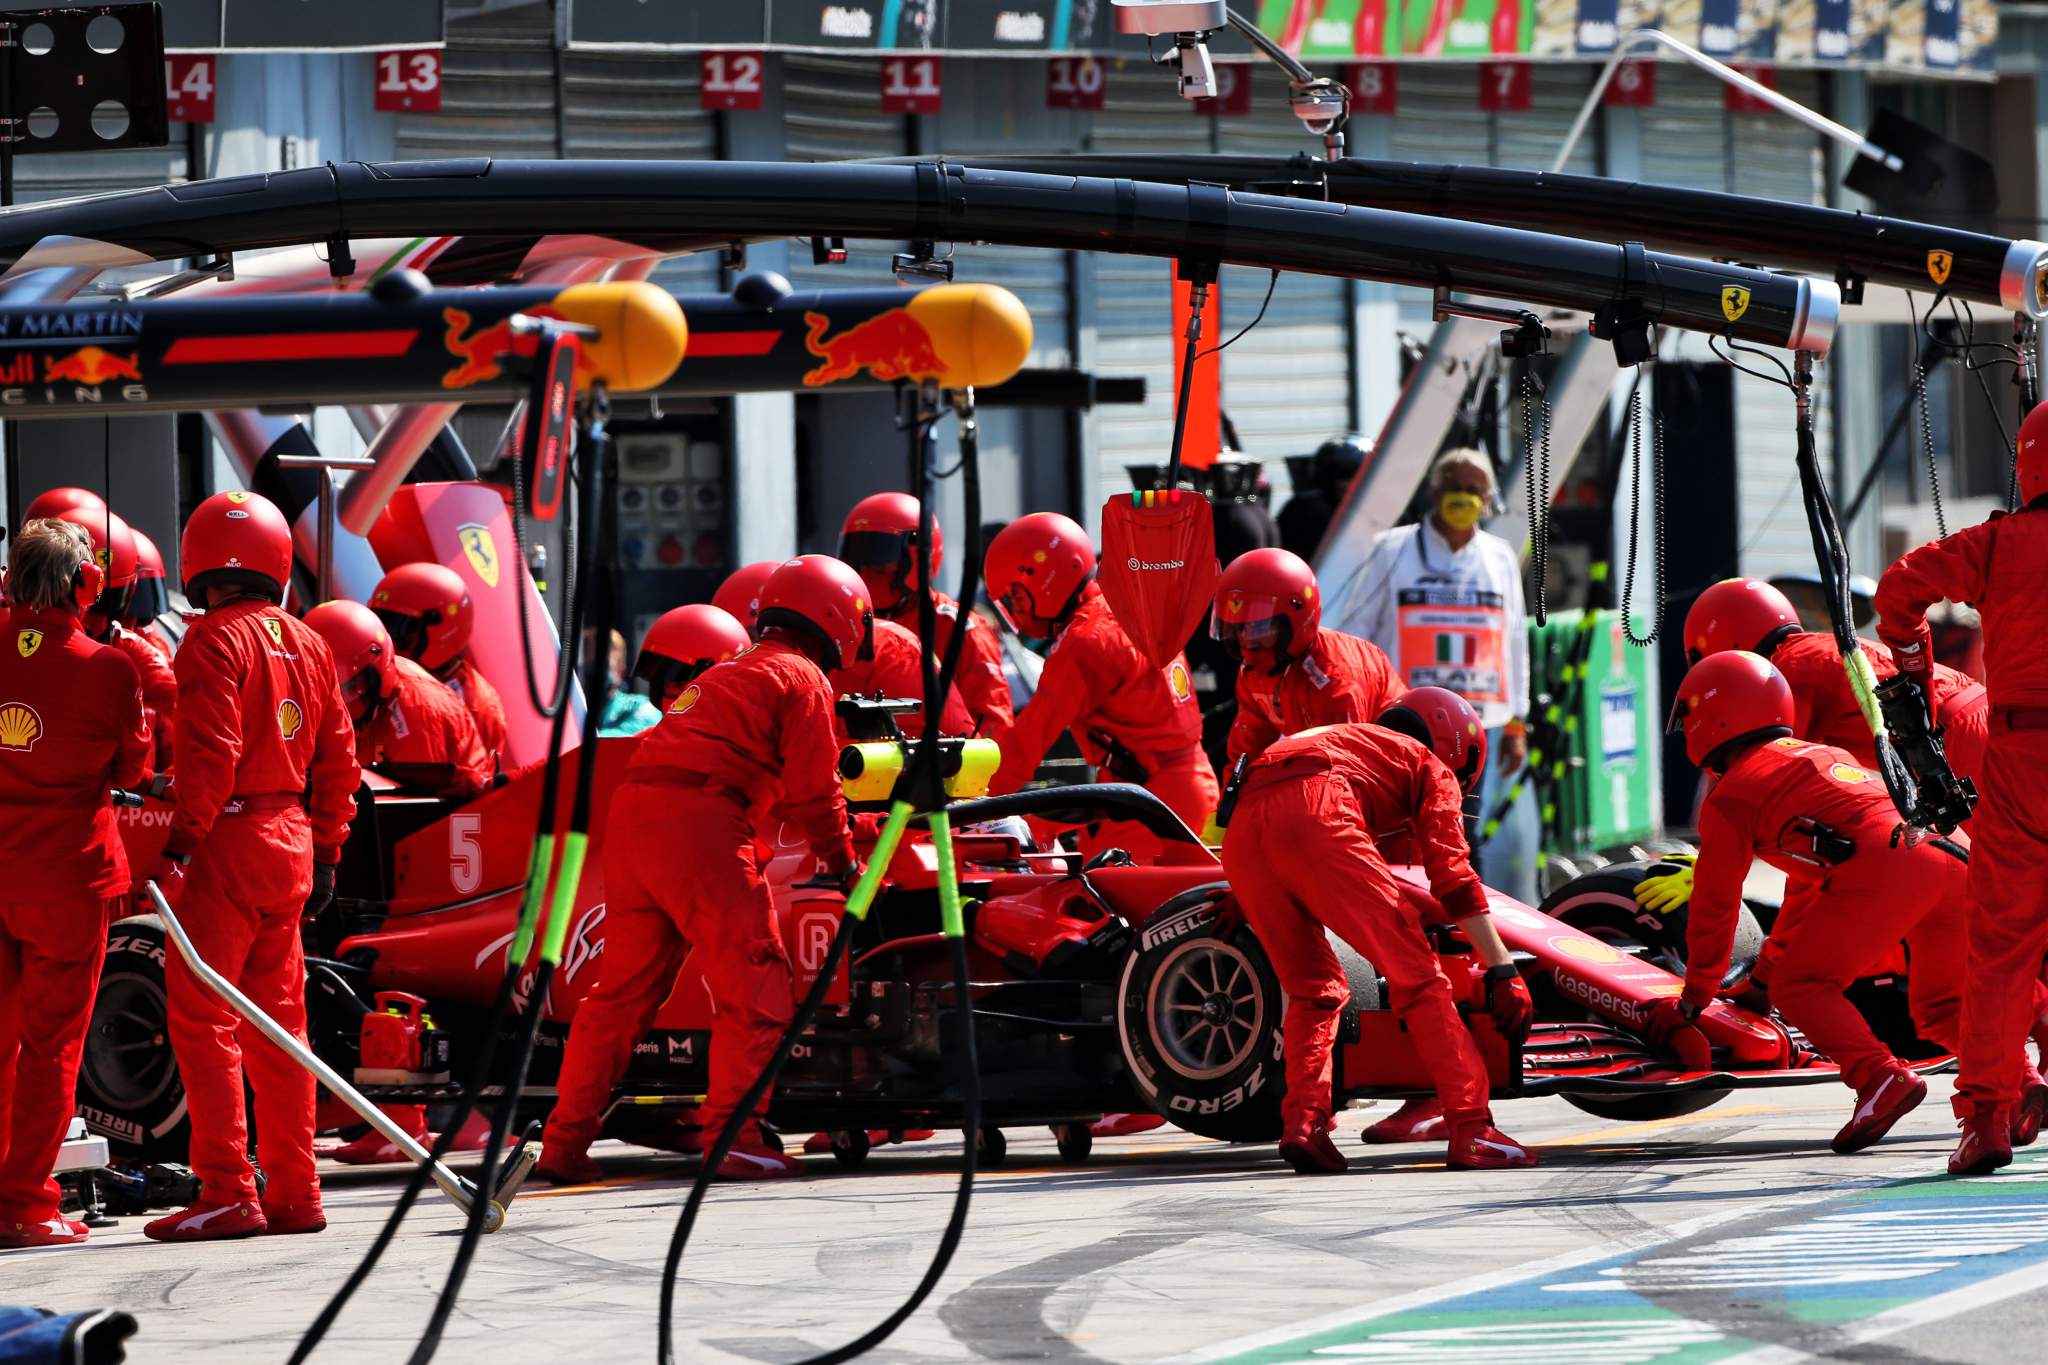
(1507, 1000)
(323, 892)
(160, 786)
(168, 872)
(1669, 1023)
(1669, 892)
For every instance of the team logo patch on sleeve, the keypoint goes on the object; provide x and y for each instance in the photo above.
(20, 726)
(1177, 680)
(28, 642)
(684, 702)
(276, 629)
(289, 718)
(1842, 772)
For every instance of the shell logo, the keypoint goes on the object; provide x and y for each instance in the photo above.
(289, 718)
(1665, 988)
(1038, 556)
(1177, 681)
(684, 702)
(1587, 949)
(1842, 772)
(20, 726)
(28, 642)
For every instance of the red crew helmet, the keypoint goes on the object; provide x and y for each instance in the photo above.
(1036, 567)
(113, 549)
(740, 595)
(824, 603)
(151, 597)
(683, 643)
(1738, 613)
(2033, 455)
(365, 664)
(55, 501)
(1267, 603)
(1730, 696)
(879, 540)
(236, 538)
(426, 608)
(1446, 722)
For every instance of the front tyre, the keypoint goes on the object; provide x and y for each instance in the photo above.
(1198, 1018)
(129, 1090)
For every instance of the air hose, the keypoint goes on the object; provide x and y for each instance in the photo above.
(924, 778)
(590, 479)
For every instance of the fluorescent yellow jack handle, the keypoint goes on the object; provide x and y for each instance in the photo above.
(536, 891)
(951, 920)
(863, 898)
(1863, 682)
(574, 846)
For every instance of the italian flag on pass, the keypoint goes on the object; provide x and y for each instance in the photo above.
(1456, 647)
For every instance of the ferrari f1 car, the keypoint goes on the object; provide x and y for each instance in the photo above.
(1100, 985)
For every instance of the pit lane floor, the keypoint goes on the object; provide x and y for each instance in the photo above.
(1731, 1234)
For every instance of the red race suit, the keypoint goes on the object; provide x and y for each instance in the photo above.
(748, 743)
(1097, 685)
(1827, 713)
(1811, 811)
(267, 775)
(980, 680)
(485, 706)
(71, 727)
(2000, 566)
(159, 689)
(897, 670)
(1302, 856)
(1341, 679)
(424, 723)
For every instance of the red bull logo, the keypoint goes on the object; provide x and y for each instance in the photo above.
(92, 365)
(890, 346)
(481, 352)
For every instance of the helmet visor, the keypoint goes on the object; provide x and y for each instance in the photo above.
(661, 672)
(151, 599)
(1253, 623)
(408, 632)
(1018, 612)
(875, 549)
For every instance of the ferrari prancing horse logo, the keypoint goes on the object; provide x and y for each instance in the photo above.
(481, 549)
(28, 642)
(1734, 302)
(1938, 263)
(276, 629)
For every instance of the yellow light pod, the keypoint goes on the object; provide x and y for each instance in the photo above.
(979, 759)
(981, 332)
(868, 772)
(641, 333)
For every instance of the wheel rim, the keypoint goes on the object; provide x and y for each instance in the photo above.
(128, 1063)
(1205, 1008)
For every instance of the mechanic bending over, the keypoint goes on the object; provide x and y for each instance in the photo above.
(681, 644)
(71, 727)
(113, 546)
(426, 609)
(1137, 722)
(1852, 891)
(404, 719)
(879, 539)
(1302, 854)
(1443, 598)
(266, 781)
(746, 742)
(896, 669)
(2000, 567)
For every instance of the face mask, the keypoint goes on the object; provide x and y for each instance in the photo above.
(1460, 511)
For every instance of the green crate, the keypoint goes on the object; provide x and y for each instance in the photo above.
(1611, 790)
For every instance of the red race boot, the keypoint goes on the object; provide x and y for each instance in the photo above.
(1124, 1125)
(207, 1221)
(2032, 1108)
(1414, 1121)
(55, 1232)
(374, 1149)
(753, 1159)
(1987, 1138)
(1306, 1147)
(560, 1166)
(1882, 1101)
(1476, 1145)
(291, 1219)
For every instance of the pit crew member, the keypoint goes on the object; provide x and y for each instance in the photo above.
(748, 741)
(1302, 854)
(681, 644)
(739, 596)
(71, 727)
(408, 724)
(426, 609)
(1826, 822)
(113, 546)
(266, 770)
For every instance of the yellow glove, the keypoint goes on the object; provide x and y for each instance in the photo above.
(1669, 892)
(1212, 833)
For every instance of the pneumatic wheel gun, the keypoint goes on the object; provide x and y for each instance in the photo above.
(1943, 800)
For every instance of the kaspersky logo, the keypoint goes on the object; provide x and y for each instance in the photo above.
(889, 346)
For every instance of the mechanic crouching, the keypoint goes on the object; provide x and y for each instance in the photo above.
(745, 742)
(71, 727)
(266, 785)
(2000, 566)
(1852, 892)
(1302, 855)
(408, 725)
(1137, 722)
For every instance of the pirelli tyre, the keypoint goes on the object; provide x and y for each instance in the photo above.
(129, 1090)
(1198, 1017)
(1602, 905)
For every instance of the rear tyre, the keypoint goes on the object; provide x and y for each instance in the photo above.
(1075, 1142)
(1646, 1108)
(129, 1090)
(1198, 1018)
(850, 1147)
